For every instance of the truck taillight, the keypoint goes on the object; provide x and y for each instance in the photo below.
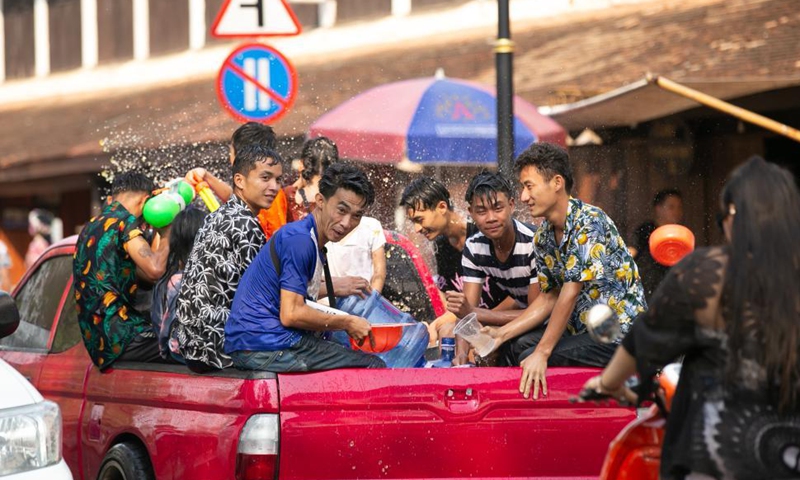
(257, 455)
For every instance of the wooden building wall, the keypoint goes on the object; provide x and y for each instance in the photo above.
(353, 10)
(19, 50)
(65, 34)
(115, 30)
(169, 26)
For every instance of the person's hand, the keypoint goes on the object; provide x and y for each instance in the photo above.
(462, 355)
(496, 333)
(164, 232)
(359, 330)
(433, 333)
(195, 176)
(346, 286)
(622, 394)
(533, 374)
(457, 303)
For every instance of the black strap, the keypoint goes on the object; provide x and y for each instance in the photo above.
(276, 260)
(306, 205)
(328, 281)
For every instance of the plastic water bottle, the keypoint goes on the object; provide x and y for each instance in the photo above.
(448, 353)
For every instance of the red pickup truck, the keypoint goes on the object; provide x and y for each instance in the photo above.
(162, 421)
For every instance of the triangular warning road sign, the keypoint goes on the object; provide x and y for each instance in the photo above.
(255, 18)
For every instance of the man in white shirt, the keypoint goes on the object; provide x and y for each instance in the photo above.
(360, 254)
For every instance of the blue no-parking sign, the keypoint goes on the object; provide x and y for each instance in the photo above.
(256, 83)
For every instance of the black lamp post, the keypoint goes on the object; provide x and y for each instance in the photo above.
(504, 57)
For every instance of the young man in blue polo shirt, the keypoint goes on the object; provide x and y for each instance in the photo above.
(270, 326)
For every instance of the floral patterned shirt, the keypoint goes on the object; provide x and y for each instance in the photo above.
(104, 276)
(591, 252)
(228, 241)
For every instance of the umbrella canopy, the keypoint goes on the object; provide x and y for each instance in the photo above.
(430, 121)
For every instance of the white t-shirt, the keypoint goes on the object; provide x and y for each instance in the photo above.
(352, 255)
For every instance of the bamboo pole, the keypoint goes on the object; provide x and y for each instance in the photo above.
(725, 107)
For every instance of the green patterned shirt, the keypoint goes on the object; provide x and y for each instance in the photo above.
(104, 276)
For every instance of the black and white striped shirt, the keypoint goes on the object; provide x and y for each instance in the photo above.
(513, 276)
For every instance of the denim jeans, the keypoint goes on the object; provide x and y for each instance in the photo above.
(308, 355)
(571, 351)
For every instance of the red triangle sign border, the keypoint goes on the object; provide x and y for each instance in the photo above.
(226, 5)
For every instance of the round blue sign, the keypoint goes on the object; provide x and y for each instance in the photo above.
(256, 83)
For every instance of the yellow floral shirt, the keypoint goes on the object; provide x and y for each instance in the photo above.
(591, 252)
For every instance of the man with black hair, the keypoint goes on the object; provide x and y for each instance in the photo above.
(502, 249)
(277, 213)
(110, 253)
(581, 260)
(271, 327)
(224, 247)
(428, 207)
(667, 209)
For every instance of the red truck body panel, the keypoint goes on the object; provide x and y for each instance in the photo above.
(402, 423)
(458, 422)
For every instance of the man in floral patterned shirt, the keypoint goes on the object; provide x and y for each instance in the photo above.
(110, 253)
(582, 261)
(228, 241)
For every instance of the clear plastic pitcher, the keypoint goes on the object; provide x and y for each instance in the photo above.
(469, 329)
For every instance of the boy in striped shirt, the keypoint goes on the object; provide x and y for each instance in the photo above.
(501, 250)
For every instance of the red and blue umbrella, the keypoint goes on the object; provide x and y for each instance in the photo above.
(430, 121)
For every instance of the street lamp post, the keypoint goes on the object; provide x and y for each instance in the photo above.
(504, 57)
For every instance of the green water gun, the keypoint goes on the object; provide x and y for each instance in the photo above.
(161, 209)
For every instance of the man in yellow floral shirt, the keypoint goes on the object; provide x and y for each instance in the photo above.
(581, 260)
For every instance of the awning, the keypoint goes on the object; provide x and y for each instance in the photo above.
(644, 100)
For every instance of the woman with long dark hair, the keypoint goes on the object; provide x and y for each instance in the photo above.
(733, 312)
(165, 292)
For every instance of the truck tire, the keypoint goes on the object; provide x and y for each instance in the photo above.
(126, 461)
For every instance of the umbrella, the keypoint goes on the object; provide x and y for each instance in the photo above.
(430, 121)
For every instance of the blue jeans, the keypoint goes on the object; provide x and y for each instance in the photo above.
(308, 355)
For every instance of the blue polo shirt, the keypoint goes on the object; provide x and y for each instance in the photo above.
(254, 322)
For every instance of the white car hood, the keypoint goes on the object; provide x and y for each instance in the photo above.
(17, 391)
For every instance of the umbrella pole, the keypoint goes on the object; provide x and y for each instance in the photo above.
(504, 56)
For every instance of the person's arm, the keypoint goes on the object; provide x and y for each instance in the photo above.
(294, 313)
(220, 188)
(533, 316)
(378, 269)
(150, 264)
(462, 304)
(534, 366)
(611, 381)
(346, 286)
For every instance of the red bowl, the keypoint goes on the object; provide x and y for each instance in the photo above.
(387, 336)
(670, 243)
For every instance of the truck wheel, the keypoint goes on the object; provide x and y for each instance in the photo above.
(126, 461)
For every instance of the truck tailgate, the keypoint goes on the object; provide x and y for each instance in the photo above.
(441, 423)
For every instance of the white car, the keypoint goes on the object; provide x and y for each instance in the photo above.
(30, 426)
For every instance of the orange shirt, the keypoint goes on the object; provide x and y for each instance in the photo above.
(276, 215)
